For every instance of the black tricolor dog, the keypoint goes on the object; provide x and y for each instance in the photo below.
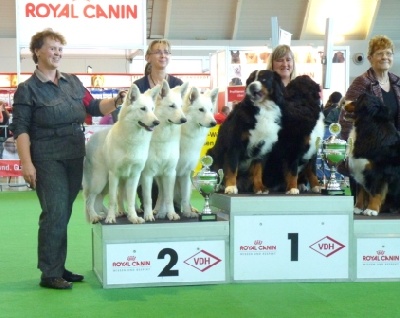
(295, 152)
(248, 133)
(374, 157)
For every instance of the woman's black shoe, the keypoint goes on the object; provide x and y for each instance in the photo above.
(55, 283)
(71, 277)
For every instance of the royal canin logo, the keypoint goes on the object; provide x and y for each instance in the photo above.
(327, 246)
(81, 10)
(202, 261)
(258, 242)
(381, 257)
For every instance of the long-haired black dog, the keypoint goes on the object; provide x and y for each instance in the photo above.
(248, 133)
(374, 156)
(296, 150)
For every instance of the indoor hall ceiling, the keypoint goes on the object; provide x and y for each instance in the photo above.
(231, 19)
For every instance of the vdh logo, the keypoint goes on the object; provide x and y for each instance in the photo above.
(202, 260)
(327, 246)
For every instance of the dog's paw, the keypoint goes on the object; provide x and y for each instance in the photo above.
(293, 191)
(316, 189)
(231, 190)
(190, 214)
(173, 216)
(370, 212)
(357, 210)
(93, 219)
(110, 219)
(135, 219)
(149, 218)
(120, 213)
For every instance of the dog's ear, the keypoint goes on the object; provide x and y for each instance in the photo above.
(184, 88)
(133, 94)
(193, 94)
(154, 92)
(214, 95)
(349, 106)
(164, 89)
(251, 78)
(277, 89)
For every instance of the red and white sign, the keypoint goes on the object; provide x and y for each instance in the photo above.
(236, 93)
(291, 247)
(166, 262)
(10, 168)
(378, 258)
(119, 24)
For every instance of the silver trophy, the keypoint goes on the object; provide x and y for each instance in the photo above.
(207, 182)
(333, 153)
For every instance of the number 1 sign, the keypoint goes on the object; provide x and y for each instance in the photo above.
(290, 247)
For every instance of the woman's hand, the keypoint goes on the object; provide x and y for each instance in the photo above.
(29, 174)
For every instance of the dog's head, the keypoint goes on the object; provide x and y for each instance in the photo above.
(303, 87)
(138, 108)
(263, 86)
(368, 107)
(169, 103)
(199, 108)
(235, 57)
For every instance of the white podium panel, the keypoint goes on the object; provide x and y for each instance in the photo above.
(377, 253)
(289, 238)
(291, 247)
(163, 253)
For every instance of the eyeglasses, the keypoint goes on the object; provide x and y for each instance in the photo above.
(159, 52)
(382, 54)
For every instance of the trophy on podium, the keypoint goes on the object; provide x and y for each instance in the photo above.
(333, 153)
(207, 182)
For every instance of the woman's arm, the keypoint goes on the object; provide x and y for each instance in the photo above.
(24, 153)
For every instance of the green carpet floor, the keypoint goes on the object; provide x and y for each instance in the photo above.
(21, 296)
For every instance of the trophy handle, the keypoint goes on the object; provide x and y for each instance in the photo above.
(318, 142)
(221, 177)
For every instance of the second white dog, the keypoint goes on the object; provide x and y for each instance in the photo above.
(164, 153)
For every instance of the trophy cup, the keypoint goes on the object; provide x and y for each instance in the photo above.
(207, 182)
(333, 153)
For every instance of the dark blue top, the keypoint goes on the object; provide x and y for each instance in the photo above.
(143, 83)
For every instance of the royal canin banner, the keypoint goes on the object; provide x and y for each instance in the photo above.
(119, 24)
(10, 168)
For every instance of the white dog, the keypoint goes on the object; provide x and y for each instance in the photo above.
(118, 155)
(164, 152)
(199, 111)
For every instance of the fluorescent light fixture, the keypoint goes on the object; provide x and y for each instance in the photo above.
(354, 18)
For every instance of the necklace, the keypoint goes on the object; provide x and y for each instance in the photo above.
(383, 83)
(154, 83)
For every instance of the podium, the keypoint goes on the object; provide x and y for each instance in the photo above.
(289, 237)
(377, 247)
(161, 253)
